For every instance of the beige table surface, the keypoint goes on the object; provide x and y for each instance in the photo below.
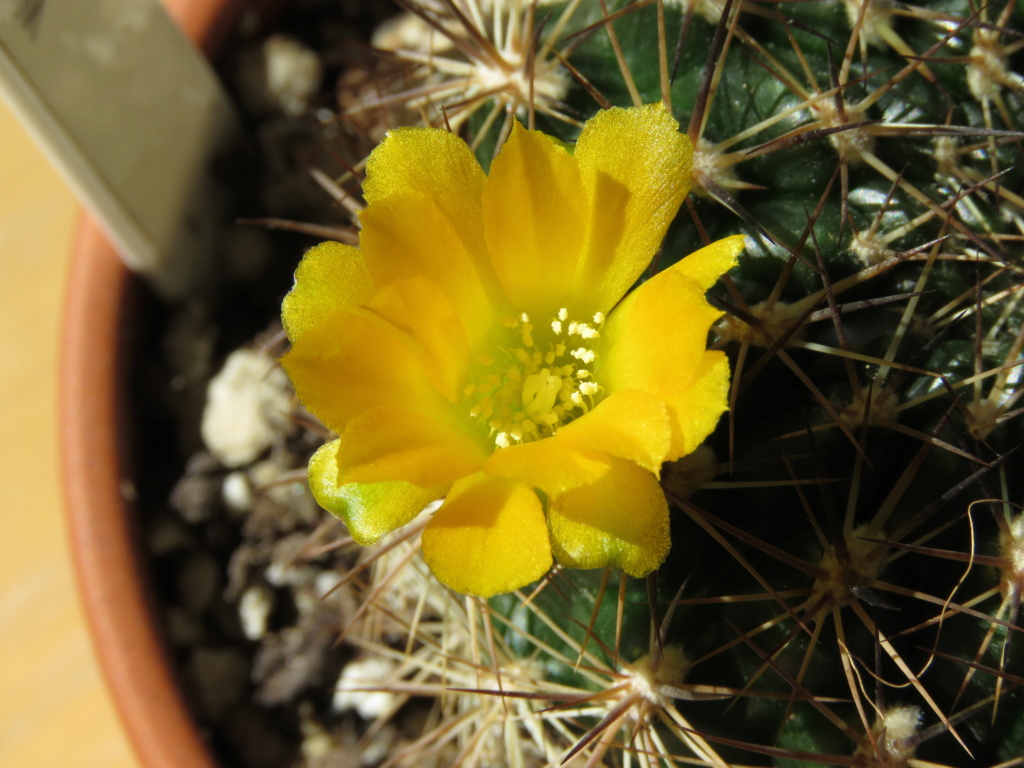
(54, 709)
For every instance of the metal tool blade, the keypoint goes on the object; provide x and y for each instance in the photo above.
(133, 116)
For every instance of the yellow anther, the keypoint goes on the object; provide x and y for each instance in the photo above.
(584, 355)
(529, 386)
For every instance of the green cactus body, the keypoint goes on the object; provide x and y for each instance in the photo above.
(846, 574)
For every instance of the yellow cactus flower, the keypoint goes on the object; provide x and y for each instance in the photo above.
(477, 347)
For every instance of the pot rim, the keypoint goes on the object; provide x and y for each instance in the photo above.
(109, 560)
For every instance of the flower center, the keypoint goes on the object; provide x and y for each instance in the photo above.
(538, 378)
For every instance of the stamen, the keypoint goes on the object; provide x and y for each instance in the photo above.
(521, 392)
(584, 355)
(549, 420)
(527, 333)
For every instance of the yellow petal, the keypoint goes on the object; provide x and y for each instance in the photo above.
(712, 261)
(548, 464)
(404, 237)
(418, 308)
(621, 521)
(534, 220)
(427, 161)
(424, 191)
(369, 510)
(351, 361)
(635, 167)
(396, 444)
(655, 340)
(629, 424)
(331, 277)
(695, 410)
(488, 537)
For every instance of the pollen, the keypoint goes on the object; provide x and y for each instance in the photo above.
(531, 383)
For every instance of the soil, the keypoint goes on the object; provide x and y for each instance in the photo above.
(243, 559)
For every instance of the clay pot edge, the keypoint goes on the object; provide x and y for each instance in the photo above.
(93, 437)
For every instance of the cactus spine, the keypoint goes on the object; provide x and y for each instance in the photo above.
(848, 550)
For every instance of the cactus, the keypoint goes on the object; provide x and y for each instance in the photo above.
(847, 568)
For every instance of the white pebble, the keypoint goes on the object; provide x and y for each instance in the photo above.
(327, 582)
(253, 609)
(281, 575)
(236, 492)
(364, 673)
(293, 73)
(247, 403)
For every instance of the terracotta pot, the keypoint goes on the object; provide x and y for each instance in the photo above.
(94, 439)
